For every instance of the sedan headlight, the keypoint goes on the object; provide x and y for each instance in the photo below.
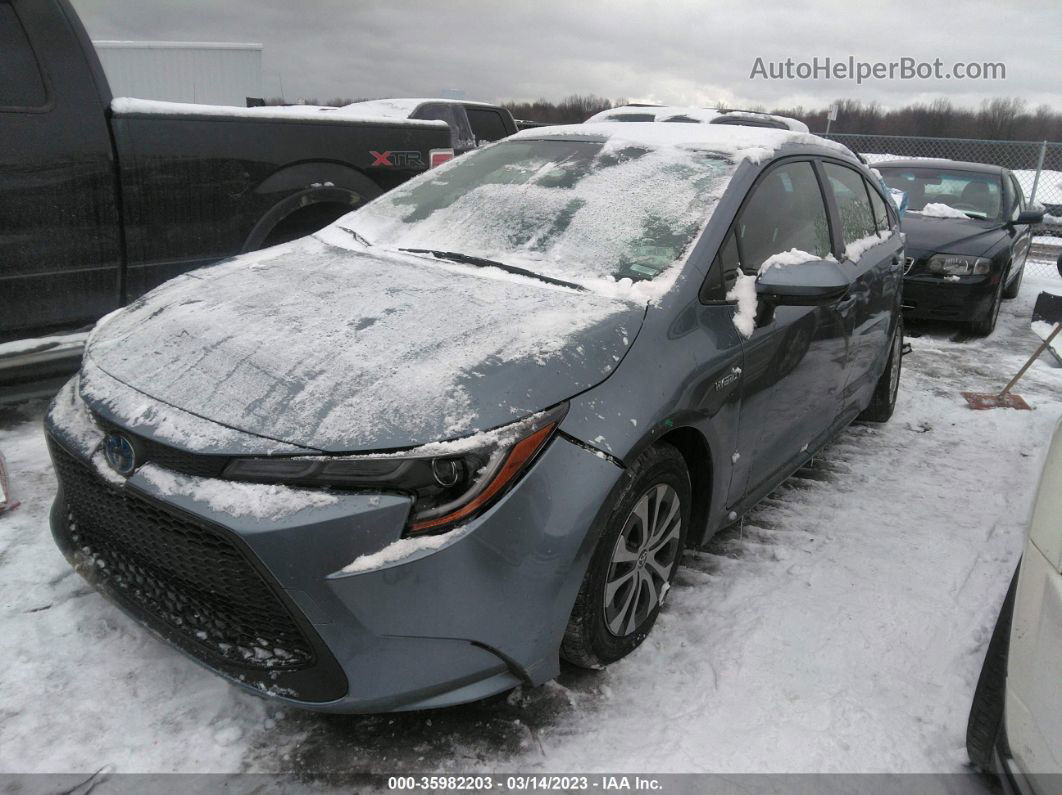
(449, 482)
(958, 265)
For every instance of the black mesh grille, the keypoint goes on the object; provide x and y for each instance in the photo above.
(183, 573)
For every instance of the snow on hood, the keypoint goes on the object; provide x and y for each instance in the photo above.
(358, 350)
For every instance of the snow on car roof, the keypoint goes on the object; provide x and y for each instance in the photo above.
(742, 143)
(398, 107)
(664, 113)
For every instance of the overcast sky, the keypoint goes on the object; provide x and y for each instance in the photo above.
(676, 52)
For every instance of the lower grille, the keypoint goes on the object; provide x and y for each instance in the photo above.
(189, 580)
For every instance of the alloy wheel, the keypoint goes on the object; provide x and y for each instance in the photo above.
(643, 558)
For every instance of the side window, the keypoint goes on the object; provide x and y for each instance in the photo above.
(21, 84)
(881, 213)
(853, 205)
(724, 271)
(487, 124)
(460, 135)
(785, 211)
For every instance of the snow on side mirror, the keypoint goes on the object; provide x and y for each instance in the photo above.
(810, 283)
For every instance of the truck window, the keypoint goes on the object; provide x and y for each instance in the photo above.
(21, 84)
(460, 135)
(487, 124)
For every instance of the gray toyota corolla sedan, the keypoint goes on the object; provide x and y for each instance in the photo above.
(467, 430)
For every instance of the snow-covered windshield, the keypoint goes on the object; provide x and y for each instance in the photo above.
(567, 209)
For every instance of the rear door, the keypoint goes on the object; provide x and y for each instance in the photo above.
(60, 248)
(795, 362)
(870, 246)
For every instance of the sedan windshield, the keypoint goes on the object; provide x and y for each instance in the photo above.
(972, 193)
(572, 210)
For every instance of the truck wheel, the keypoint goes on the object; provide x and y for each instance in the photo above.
(634, 563)
(305, 222)
(985, 729)
(883, 403)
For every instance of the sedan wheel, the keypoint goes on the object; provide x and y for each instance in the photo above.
(645, 554)
(637, 555)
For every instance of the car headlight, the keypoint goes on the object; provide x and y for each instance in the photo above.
(958, 265)
(449, 482)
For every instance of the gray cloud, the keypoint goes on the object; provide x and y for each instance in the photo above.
(675, 52)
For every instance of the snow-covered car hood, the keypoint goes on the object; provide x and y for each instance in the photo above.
(355, 350)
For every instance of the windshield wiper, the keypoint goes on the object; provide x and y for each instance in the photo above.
(483, 262)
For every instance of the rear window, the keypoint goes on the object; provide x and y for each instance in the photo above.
(21, 84)
(487, 125)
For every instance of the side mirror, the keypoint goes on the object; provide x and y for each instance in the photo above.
(1030, 217)
(811, 283)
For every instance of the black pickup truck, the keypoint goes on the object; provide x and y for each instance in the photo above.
(101, 199)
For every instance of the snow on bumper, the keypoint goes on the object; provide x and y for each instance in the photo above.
(487, 606)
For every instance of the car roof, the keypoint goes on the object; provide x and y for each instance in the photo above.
(704, 115)
(753, 143)
(922, 162)
(403, 106)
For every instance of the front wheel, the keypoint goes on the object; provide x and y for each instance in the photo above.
(883, 403)
(987, 324)
(1015, 286)
(634, 563)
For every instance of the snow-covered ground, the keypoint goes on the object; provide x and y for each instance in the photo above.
(840, 628)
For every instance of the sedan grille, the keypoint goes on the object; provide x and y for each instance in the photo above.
(188, 579)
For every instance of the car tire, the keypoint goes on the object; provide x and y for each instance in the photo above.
(987, 324)
(1015, 286)
(883, 402)
(985, 730)
(626, 580)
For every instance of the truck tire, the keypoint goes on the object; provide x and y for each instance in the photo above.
(984, 729)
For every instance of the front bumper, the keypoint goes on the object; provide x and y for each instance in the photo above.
(480, 615)
(927, 297)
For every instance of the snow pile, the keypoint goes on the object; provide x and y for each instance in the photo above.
(256, 500)
(403, 550)
(744, 293)
(857, 248)
(938, 210)
(744, 289)
(73, 419)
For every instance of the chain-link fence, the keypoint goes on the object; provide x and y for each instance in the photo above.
(1036, 164)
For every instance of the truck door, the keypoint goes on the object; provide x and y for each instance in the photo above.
(60, 245)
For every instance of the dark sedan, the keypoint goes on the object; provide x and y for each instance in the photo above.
(968, 234)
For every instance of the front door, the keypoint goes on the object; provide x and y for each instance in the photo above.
(794, 362)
